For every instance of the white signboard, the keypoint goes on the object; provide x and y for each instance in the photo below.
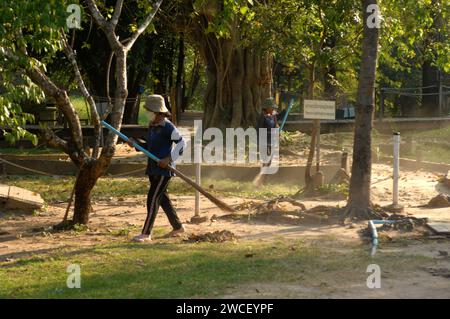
(319, 110)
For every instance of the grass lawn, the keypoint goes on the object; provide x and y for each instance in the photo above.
(30, 151)
(58, 189)
(81, 108)
(182, 270)
(433, 144)
(440, 133)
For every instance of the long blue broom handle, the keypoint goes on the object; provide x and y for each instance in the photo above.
(126, 139)
(291, 103)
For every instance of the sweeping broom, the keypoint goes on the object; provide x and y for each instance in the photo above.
(213, 199)
(259, 179)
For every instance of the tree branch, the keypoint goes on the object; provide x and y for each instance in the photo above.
(95, 116)
(96, 14)
(60, 96)
(63, 103)
(106, 26)
(55, 141)
(144, 25)
(108, 75)
(117, 12)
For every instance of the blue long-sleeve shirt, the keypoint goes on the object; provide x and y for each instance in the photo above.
(268, 121)
(159, 141)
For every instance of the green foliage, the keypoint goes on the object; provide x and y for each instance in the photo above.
(302, 35)
(222, 15)
(80, 228)
(305, 35)
(122, 232)
(29, 36)
(334, 189)
(108, 189)
(412, 33)
(288, 138)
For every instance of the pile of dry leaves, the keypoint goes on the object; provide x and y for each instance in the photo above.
(212, 237)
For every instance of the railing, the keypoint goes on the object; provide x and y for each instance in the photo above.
(443, 94)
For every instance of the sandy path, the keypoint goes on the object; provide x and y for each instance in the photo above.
(26, 235)
(416, 188)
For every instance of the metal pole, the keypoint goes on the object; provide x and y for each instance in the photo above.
(198, 169)
(396, 140)
(440, 99)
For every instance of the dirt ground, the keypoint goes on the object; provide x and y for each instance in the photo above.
(24, 235)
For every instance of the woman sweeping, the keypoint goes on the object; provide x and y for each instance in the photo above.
(268, 120)
(162, 134)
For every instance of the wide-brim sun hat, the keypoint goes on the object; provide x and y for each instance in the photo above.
(155, 103)
(269, 102)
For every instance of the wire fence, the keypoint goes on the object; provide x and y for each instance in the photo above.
(426, 101)
(39, 172)
(433, 100)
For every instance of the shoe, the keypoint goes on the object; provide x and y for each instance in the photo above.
(176, 232)
(142, 238)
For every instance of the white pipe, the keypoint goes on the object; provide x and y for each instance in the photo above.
(198, 170)
(373, 231)
(396, 168)
(318, 149)
(198, 165)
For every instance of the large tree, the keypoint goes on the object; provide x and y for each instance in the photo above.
(32, 33)
(359, 204)
(314, 36)
(239, 74)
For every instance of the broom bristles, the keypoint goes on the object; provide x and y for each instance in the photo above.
(258, 180)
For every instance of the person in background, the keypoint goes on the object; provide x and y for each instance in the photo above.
(268, 120)
(162, 134)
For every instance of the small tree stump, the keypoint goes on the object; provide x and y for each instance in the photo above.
(439, 201)
(318, 180)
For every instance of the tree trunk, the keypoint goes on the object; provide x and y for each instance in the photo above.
(238, 77)
(309, 185)
(330, 72)
(358, 204)
(430, 77)
(430, 73)
(131, 113)
(179, 90)
(84, 184)
(193, 83)
(139, 66)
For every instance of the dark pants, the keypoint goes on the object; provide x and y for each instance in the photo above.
(157, 196)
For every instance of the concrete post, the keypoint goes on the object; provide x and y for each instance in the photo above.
(198, 170)
(396, 168)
